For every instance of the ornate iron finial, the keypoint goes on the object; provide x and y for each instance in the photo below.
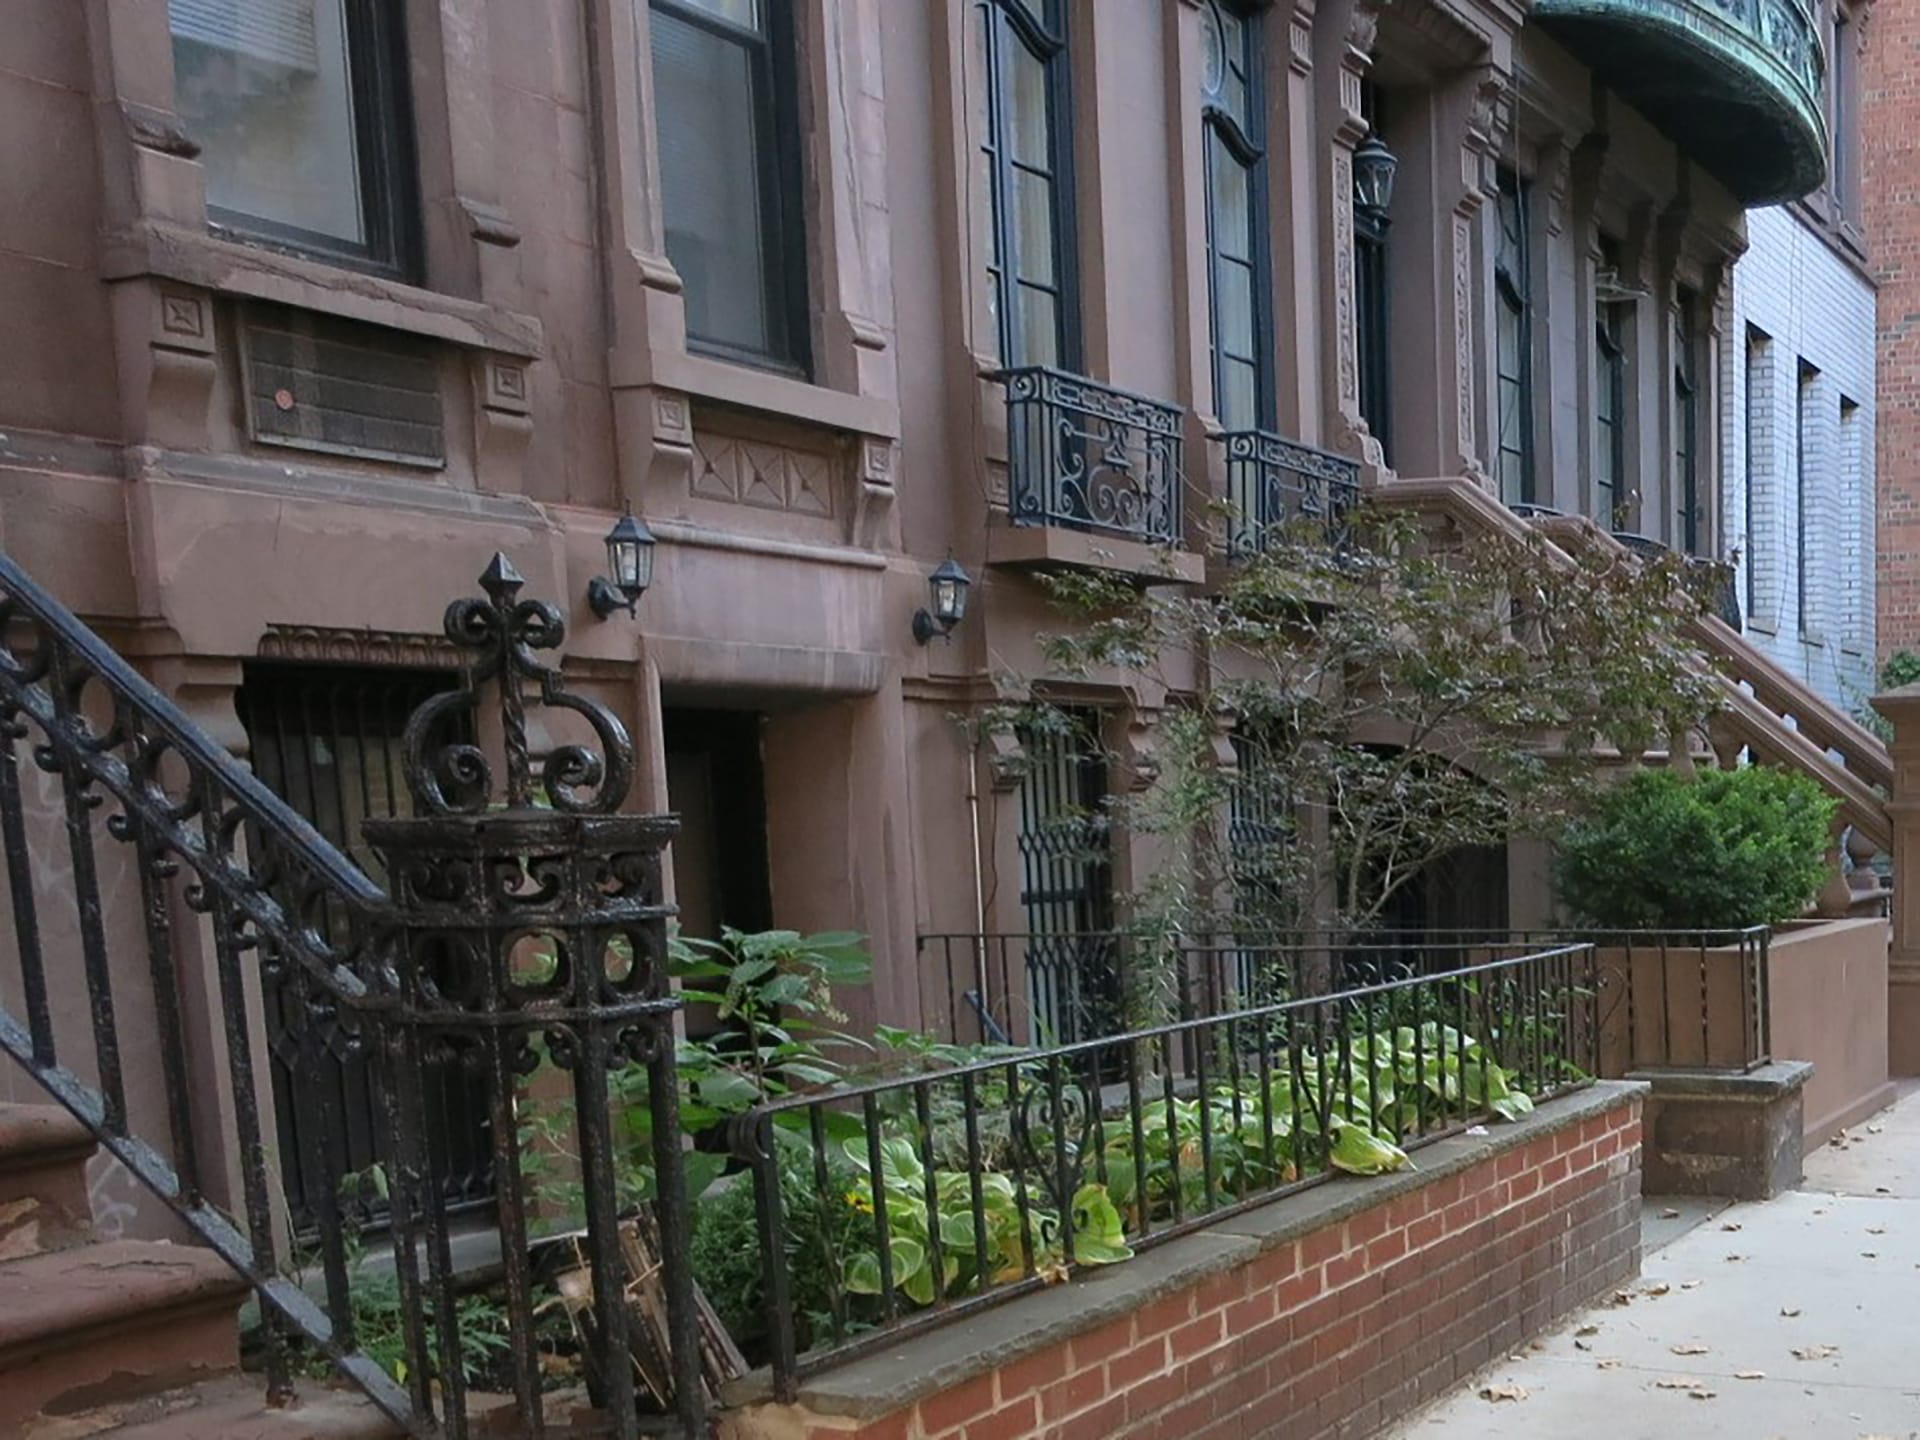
(505, 631)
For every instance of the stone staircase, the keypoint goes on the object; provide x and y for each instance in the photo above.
(128, 1339)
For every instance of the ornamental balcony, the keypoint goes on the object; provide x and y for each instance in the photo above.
(1736, 83)
(1276, 483)
(1093, 477)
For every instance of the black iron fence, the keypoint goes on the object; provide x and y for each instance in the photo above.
(890, 1207)
(1086, 456)
(1666, 999)
(1277, 484)
(524, 943)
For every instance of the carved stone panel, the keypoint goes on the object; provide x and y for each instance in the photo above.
(762, 473)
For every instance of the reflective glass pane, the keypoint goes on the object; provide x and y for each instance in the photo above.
(1239, 395)
(744, 13)
(1039, 328)
(1232, 203)
(1213, 52)
(266, 87)
(1233, 308)
(709, 180)
(1027, 102)
(1033, 226)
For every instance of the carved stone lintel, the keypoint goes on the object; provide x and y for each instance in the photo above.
(324, 644)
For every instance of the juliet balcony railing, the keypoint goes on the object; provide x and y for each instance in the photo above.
(1276, 483)
(1086, 456)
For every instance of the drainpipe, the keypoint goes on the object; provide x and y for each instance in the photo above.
(979, 885)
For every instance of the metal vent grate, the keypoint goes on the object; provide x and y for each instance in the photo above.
(316, 383)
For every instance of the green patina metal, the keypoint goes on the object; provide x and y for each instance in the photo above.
(1736, 83)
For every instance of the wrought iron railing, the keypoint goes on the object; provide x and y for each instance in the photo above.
(515, 935)
(1278, 484)
(1692, 1000)
(890, 1207)
(1086, 456)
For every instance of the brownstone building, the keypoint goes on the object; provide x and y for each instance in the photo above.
(313, 305)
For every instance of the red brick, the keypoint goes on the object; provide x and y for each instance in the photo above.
(949, 1408)
(1364, 1226)
(1015, 1421)
(1103, 1422)
(1096, 1345)
(1320, 1247)
(1075, 1393)
(1033, 1372)
(1197, 1335)
(1386, 1249)
(1163, 1314)
(1275, 1265)
(1244, 1315)
(1129, 1367)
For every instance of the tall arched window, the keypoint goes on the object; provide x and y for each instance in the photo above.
(1028, 162)
(1513, 341)
(1237, 277)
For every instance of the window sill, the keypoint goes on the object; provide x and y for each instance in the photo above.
(1023, 547)
(229, 267)
(771, 393)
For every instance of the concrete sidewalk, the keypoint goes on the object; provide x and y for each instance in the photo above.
(1798, 1318)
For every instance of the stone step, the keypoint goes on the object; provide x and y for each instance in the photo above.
(100, 1323)
(232, 1407)
(43, 1180)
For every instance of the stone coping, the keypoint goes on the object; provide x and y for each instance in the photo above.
(933, 1361)
(1767, 1082)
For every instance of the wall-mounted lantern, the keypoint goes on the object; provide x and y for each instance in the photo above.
(630, 561)
(947, 587)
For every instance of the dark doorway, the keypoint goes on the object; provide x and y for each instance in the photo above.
(716, 781)
(326, 739)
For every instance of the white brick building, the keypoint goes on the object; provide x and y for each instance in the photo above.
(1799, 448)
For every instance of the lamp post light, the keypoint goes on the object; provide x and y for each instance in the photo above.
(630, 559)
(947, 587)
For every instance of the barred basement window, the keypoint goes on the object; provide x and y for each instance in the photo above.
(1066, 881)
(300, 108)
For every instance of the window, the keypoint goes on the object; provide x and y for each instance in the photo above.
(1613, 320)
(1066, 881)
(1237, 283)
(1028, 162)
(1513, 342)
(1759, 438)
(1373, 322)
(1686, 417)
(1852, 461)
(1842, 86)
(1804, 422)
(300, 108)
(728, 127)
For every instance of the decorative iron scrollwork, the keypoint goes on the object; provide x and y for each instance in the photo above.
(506, 631)
(1053, 1127)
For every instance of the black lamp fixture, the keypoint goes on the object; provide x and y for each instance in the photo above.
(1373, 168)
(630, 559)
(948, 588)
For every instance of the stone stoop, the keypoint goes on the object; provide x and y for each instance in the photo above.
(125, 1339)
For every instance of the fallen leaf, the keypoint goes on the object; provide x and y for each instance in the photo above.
(1881, 1190)
(1700, 1393)
(1816, 1352)
(1731, 1225)
(1869, 1254)
(1678, 1382)
(1749, 1374)
(1689, 1284)
(1583, 1345)
(1875, 1129)
(1691, 1349)
(1659, 1287)
(1607, 1364)
(1497, 1393)
(1621, 1297)
(1734, 1259)
(1669, 1214)
(1792, 1312)
(1876, 1229)
(1588, 1330)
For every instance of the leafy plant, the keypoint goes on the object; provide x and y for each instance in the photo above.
(1720, 850)
(1392, 701)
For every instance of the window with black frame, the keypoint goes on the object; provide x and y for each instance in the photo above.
(1373, 322)
(306, 137)
(1613, 319)
(726, 118)
(1238, 287)
(1513, 340)
(1686, 416)
(1027, 157)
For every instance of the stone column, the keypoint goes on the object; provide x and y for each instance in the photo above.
(1902, 709)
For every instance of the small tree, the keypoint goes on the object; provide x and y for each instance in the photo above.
(1389, 701)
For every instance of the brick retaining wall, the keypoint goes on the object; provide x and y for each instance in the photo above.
(1329, 1313)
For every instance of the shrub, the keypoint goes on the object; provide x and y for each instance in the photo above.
(1725, 849)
